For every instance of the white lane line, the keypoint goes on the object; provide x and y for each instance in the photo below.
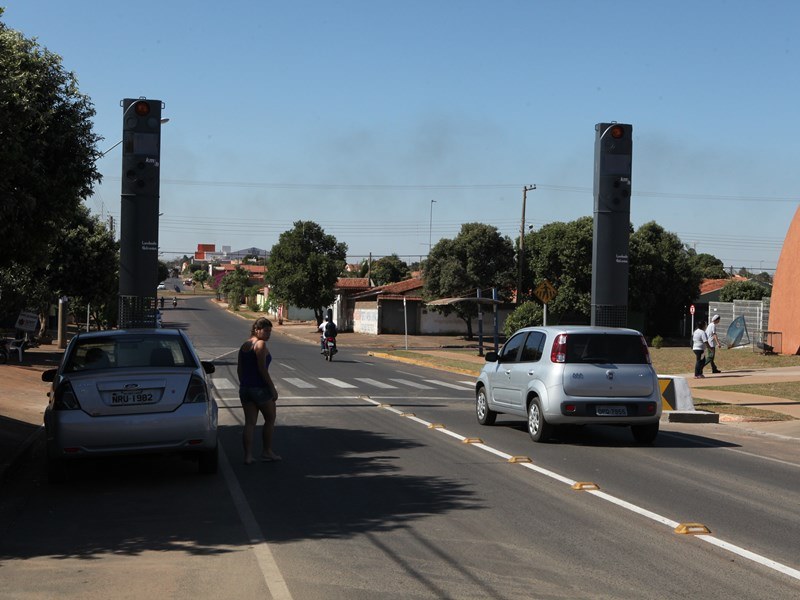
(752, 556)
(289, 367)
(301, 383)
(446, 384)
(413, 384)
(376, 383)
(337, 382)
(467, 383)
(266, 561)
(223, 383)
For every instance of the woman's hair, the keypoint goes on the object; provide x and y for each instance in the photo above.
(260, 323)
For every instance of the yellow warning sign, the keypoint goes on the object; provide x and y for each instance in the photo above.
(545, 292)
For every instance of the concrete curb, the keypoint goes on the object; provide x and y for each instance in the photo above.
(691, 416)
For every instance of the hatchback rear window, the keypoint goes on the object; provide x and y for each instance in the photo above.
(605, 348)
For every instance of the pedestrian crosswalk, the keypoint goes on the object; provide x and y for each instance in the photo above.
(366, 384)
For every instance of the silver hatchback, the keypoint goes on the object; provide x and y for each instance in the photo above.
(130, 392)
(576, 375)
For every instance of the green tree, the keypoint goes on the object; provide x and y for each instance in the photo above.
(48, 152)
(304, 266)
(234, 286)
(389, 269)
(163, 270)
(561, 253)
(479, 257)
(200, 276)
(744, 290)
(663, 280)
(707, 265)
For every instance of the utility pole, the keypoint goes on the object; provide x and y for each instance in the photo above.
(521, 257)
(430, 229)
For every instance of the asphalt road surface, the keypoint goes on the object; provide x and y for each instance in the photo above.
(390, 489)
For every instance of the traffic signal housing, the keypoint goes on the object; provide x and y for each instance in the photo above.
(141, 146)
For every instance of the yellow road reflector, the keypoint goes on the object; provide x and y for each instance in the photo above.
(472, 441)
(436, 426)
(407, 415)
(585, 485)
(519, 459)
(692, 529)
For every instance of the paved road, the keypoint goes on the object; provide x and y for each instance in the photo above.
(375, 499)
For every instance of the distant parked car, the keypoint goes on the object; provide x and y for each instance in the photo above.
(572, 375)
(135, 391)
(162, 286)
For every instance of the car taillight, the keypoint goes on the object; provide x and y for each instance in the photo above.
(196, 392)
(646, 350)
(559, 352)
(65, 398)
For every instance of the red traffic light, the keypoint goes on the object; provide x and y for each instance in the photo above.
(142, 108)
(617, 132)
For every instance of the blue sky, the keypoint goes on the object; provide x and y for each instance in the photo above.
(356, 114)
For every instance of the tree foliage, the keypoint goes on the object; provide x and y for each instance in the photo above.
(236, 287)
(526, 314)
(561, 253)
(744, 290)
(479, 257)
(389, 269)
(48, 152)
(662, 278)
(707, 265)
(304, 266)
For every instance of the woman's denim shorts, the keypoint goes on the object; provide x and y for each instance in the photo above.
(255, 395)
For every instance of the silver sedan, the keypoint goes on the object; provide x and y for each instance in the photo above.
(134, 391)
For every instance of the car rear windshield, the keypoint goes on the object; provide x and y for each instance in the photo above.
(605, 348)
(120, 352)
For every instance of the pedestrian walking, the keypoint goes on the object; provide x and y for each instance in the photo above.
(713, 343)
(257, 391)
(699, 346)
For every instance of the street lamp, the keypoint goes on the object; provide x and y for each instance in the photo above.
(430, 229)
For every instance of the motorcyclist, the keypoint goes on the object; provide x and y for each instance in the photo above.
(174, 302)
(161, 302)
(328, 329)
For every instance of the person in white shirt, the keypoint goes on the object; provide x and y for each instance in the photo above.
(699, 345)
(713, 343)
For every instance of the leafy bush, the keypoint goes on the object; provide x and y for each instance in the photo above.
(657, 342)
(525, 315)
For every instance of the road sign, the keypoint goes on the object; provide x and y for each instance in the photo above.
(27, 321)
(691, 309)
(545, 292)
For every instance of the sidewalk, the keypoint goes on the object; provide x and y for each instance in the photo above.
(23, 395)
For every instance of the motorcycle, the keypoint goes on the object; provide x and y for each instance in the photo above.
(329, 348)
(174, 303)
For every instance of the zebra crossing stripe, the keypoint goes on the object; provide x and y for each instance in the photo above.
(223, 383)
(413, 384)
(376, 383)
(301, 383)
(446, 384)
(337, 382)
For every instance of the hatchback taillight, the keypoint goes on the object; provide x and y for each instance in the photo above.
(197, 391)
(646, 350)
(559, 352)
(65, 398)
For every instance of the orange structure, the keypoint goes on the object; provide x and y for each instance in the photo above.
(784, 308)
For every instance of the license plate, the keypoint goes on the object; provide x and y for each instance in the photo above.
(612, 411)
(130, 398)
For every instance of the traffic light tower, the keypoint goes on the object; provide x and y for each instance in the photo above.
(613, 152)
(138, 252)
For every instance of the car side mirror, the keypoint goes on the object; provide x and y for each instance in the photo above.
(49, 375)
(208, 366)
(491, 357)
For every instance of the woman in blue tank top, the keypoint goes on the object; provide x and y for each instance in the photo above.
(257, 392)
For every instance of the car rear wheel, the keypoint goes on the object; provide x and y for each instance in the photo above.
(209, 461)
(486, 416)
(645, 434)
(539, 429)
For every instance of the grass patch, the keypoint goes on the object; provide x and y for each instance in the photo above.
(747, 412)
(788, 390)
(440, 361)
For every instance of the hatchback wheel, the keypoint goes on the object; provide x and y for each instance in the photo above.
(539, 429)
(644, 434)
(486, 416)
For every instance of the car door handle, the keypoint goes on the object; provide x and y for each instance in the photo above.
(531, 372)
(508, 372)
